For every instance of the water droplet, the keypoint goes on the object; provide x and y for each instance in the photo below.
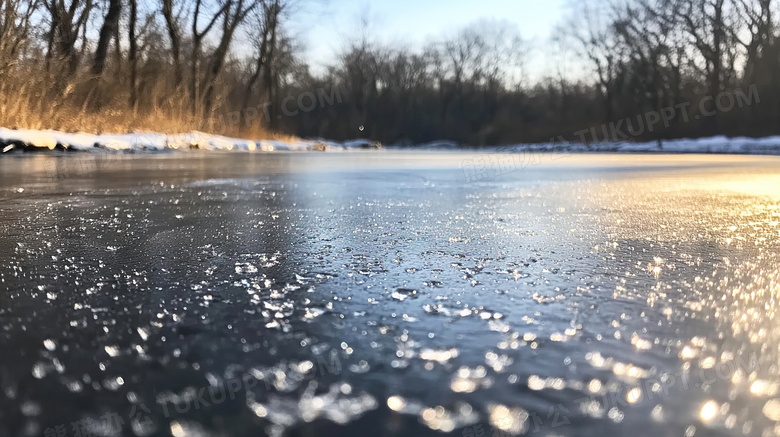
(30, 408)
(39, 370)
(708, 411)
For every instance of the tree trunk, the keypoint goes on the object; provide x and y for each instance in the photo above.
(133, 55)
(175, 36)
(717, 64)
(107, 32)
(216, 68)
(261, 59)
(268, 75)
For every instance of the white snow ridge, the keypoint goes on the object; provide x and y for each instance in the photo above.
(12, 139)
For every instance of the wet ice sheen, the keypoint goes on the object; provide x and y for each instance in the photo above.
(236, 298)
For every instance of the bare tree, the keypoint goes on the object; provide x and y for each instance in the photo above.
(133, 54)
(643, 67)
(707, 24)
(107, 32)
(593, 33)
(265, 20)
(759, 23)
(197, 43)
(174, 33)
(67, 20)
(15, 23)
(235, 13)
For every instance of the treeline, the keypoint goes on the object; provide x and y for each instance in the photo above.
(125, 64)
(182, 64)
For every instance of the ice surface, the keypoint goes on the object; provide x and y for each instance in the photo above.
(251, 297)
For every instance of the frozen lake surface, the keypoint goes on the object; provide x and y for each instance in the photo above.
(389, 294)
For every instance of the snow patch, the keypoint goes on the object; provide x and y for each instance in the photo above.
(33, 138)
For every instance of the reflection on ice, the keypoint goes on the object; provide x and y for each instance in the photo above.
(580, 305)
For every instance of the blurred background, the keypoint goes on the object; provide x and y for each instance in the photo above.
(478, 73)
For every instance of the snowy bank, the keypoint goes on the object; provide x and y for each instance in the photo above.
(12, 139)
(719, 145)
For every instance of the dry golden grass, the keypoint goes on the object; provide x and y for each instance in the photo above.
(33, 104)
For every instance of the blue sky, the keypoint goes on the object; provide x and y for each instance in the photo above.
(325, 24)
